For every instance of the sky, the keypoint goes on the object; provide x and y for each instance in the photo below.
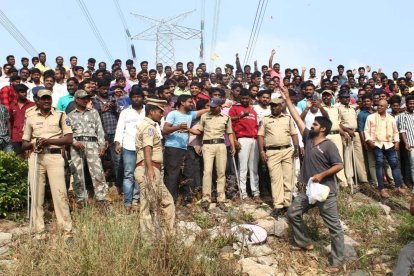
(318, 33)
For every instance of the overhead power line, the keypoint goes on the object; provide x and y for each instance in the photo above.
(17, 35)
(253, 47)
(257, 24)
(216, 18)
(94, 29)
(127, 32)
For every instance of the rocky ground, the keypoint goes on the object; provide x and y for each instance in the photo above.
(373, 238)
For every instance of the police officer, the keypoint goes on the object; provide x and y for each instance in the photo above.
(88, 144)
(214, 125)
(348, 122)
(336, 131)
(157, 210)
(46, 131)
(275, 132)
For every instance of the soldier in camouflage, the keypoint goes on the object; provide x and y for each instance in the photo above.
(89, 143)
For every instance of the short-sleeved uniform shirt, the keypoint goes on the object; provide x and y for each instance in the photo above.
(148, 135)
(179, 139)
(52, 126)
(334, 116)
(277, 131)
(214, 126)
(348, 117)
(319, 158)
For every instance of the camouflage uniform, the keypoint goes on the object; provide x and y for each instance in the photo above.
(87, 129)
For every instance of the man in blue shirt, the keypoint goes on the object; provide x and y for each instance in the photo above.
(72, 86)
(177, 128)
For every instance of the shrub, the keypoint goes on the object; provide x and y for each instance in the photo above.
(13, 183)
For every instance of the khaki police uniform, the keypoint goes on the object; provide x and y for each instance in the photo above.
(153, 194)
(277, 133)
(87, 129)
(336, 138)
(49, 162)
(348, 119)
(214, 127)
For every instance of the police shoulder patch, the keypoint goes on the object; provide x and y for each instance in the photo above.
(67, 121)
(150, 131)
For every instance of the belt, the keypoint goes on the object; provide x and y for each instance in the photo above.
(154, 164)
(213, 141)
(334, 132)
(86, 139)
(51, 151)
(277, 148)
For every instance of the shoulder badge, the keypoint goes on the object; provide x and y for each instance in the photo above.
(150, 131)
(67, 121)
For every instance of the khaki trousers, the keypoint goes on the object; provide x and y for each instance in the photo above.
(280, 167)
(217, 152)
(51, 165)
(157, 210)
(359, 160)
(337, 140)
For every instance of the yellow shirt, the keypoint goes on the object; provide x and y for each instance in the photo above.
(277, 131)
(215, 126)
(148, 135)
(348, 117)
(334, 116)
(52, 126)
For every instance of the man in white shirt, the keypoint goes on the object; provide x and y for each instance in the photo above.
(262, 107)
(160, 78)
(128, 122)
(59, 89)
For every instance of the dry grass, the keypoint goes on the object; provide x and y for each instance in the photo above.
(110, 244)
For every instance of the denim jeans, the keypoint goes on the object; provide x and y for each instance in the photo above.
(130, 187)
(391, 156)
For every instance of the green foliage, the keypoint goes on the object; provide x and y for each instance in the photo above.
(406, 228)
(203, 220)
(13, 183)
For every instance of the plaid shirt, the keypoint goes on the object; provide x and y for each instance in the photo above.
(8, 96)
(110, 118)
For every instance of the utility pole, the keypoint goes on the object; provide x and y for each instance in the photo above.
(164, 31)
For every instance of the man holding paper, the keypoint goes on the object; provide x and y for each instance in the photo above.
(321, 162)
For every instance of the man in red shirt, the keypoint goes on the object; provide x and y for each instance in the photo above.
(244, 122)
(196, 89)
(17, 112)
(8, 93)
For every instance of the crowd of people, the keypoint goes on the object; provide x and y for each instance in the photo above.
(229, 133)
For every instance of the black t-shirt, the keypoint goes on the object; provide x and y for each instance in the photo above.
(319, 158)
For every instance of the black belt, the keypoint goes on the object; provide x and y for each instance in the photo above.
(334, 132)
(51, 151)
(277, 148)
(86, 139)
(213, 141)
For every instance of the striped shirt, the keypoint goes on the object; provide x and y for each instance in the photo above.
(406, 125)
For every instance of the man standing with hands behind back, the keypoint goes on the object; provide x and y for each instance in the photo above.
(214, 125)
(321, 162)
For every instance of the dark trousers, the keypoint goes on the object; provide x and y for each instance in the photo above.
(174, 159)
(392, 159)
(197, 160)
(329, 213)
(405, 260)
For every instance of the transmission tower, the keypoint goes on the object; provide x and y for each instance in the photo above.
(164, 31)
